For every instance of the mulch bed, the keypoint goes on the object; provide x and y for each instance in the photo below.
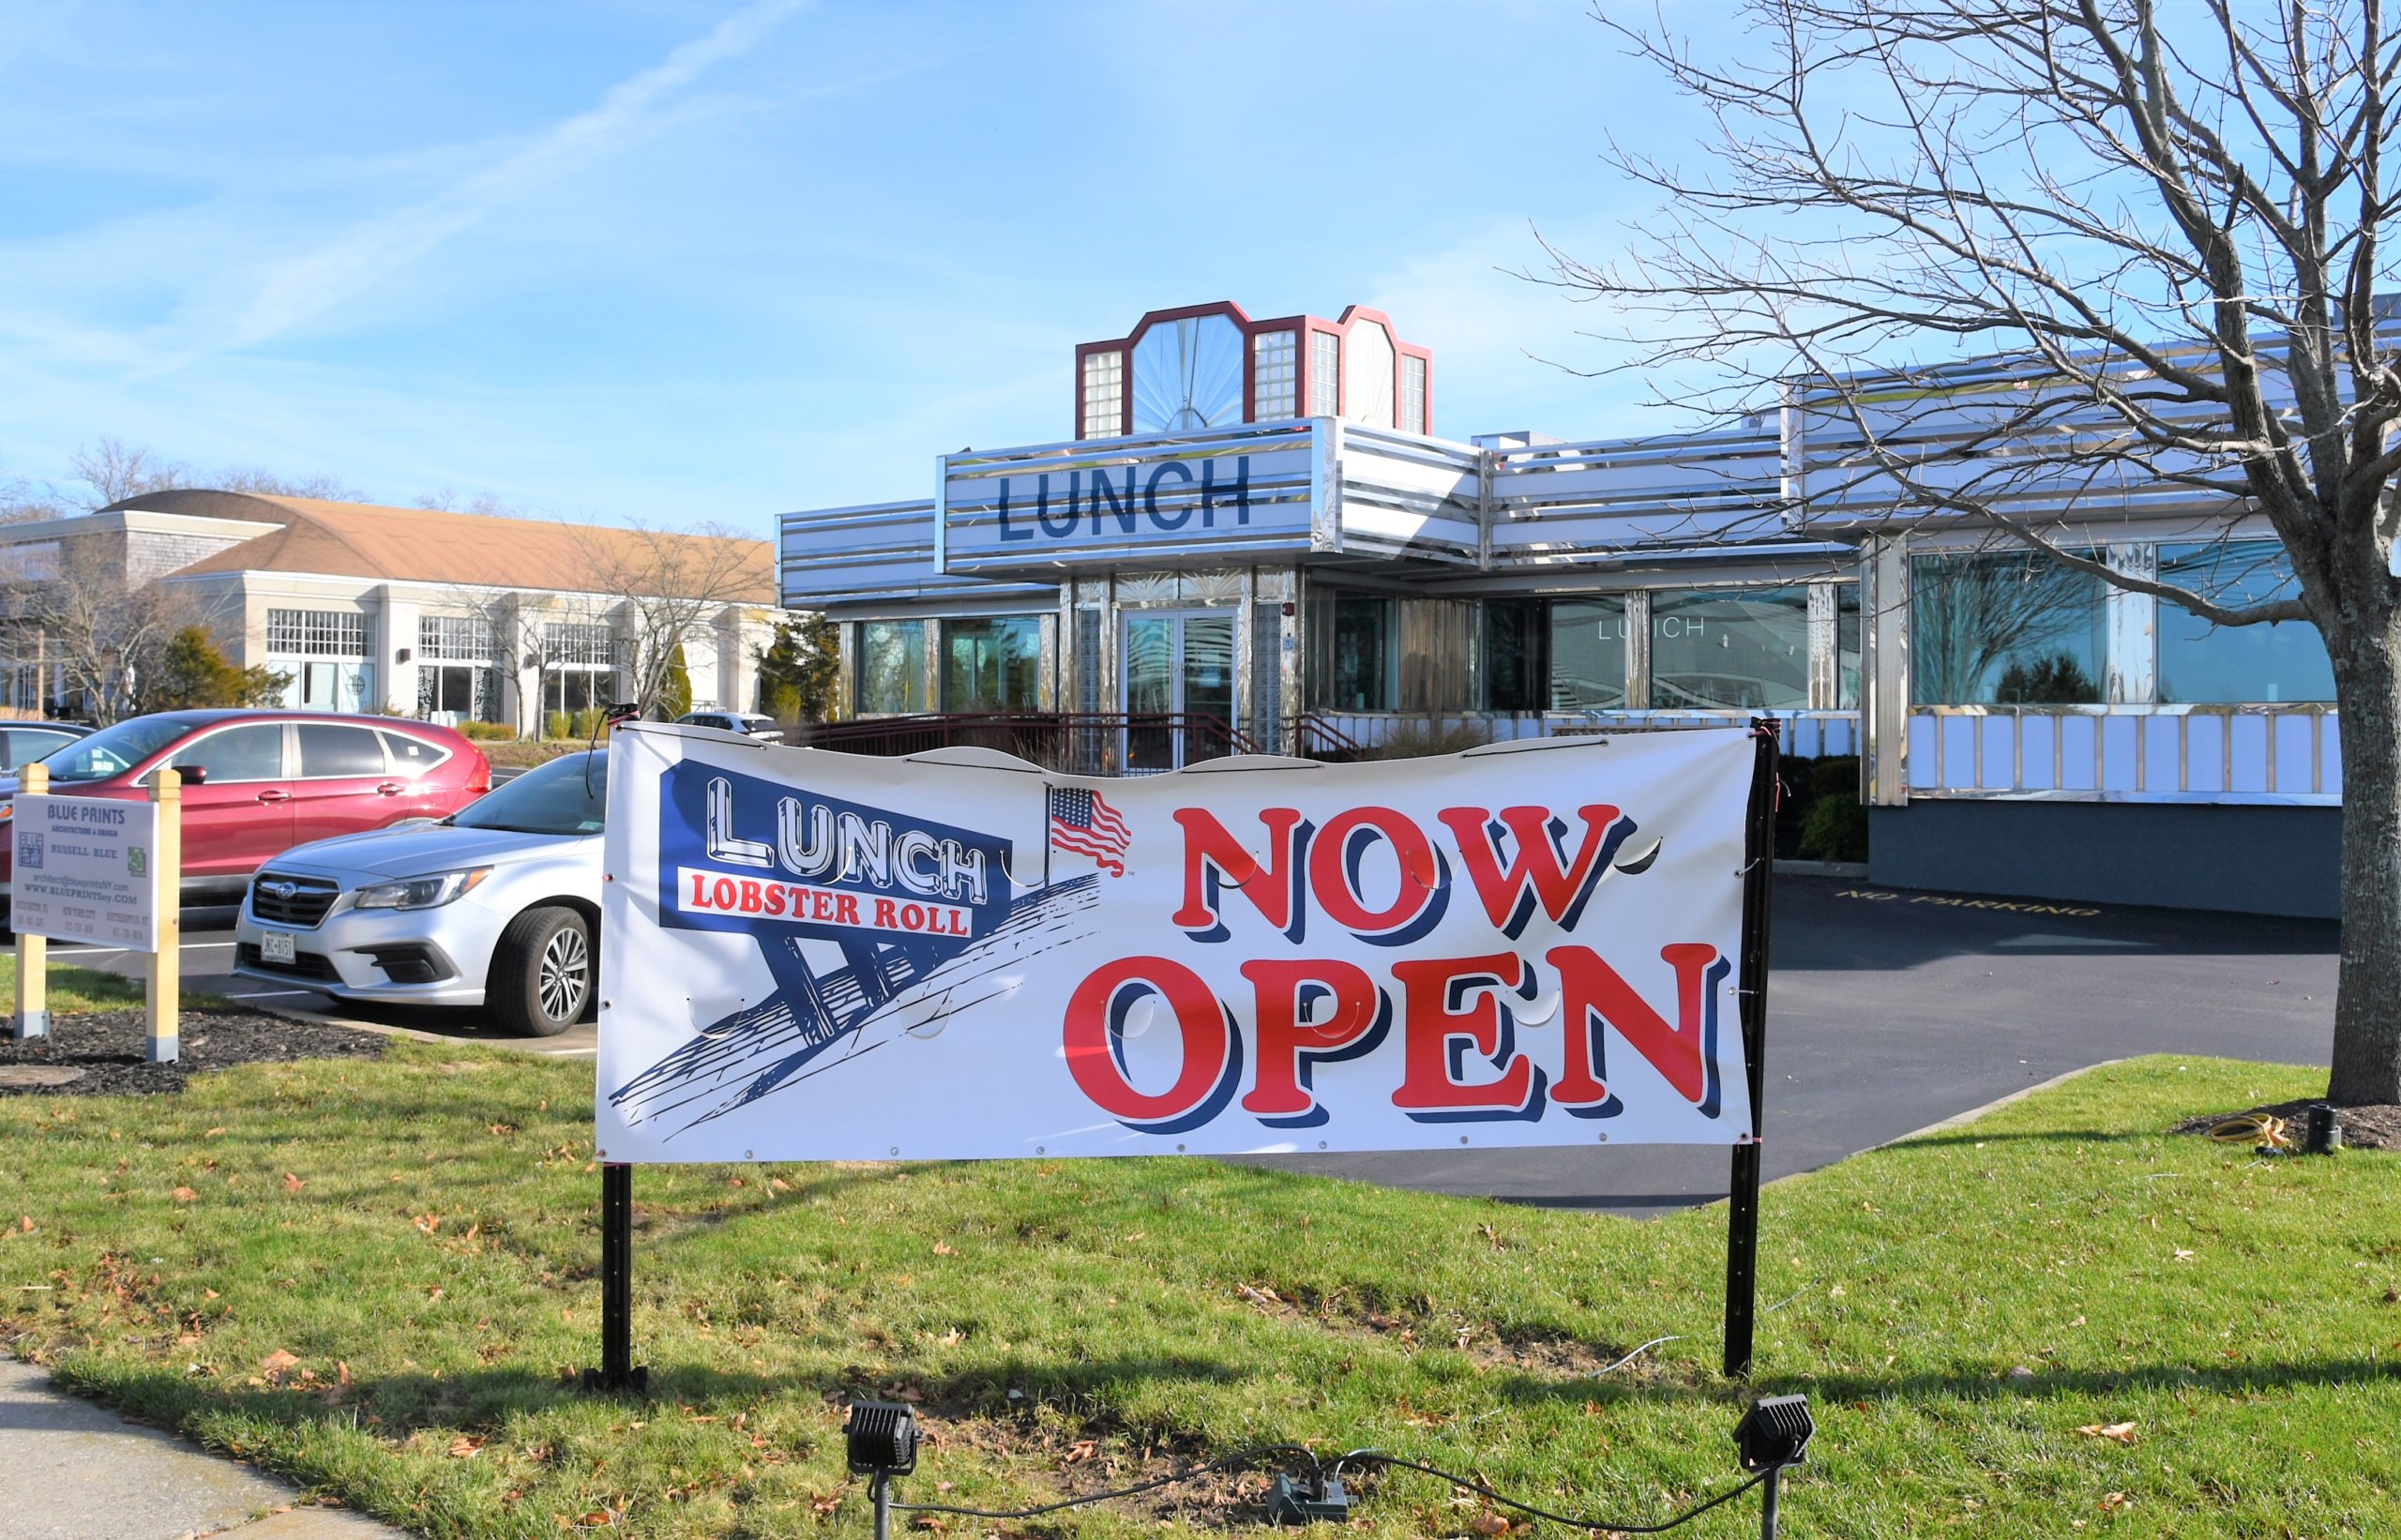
(108, 1048)
(2370, 1127)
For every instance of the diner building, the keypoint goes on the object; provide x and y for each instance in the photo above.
(1254, 537)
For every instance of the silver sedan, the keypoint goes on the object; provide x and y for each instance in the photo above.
(497, 905)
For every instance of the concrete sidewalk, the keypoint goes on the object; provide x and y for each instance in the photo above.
(72, 1471)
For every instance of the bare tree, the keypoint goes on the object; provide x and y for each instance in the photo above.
(322, 485)
(670, 583)
(70, 605)
(115, 470)
(2159, 232)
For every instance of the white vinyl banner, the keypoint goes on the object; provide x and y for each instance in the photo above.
(810, 955)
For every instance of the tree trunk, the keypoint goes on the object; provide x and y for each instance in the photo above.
(2367, 1001)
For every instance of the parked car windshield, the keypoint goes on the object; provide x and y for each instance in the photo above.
(568, 795)
(113, 751)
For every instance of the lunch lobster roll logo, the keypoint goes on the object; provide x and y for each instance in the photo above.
(736, 853)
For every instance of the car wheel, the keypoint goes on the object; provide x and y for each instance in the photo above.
(542, 972)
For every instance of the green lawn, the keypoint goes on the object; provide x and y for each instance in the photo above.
(74, 990)
(371, 1276)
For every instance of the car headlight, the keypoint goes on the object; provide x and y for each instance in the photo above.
(422, 891)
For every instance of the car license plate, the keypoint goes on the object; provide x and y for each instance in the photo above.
(275, 946)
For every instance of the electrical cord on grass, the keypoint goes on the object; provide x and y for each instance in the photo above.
(1370, 1456)
(1229, 1463)
(1357, 1457)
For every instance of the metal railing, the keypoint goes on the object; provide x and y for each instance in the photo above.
(1077, 743)
(1314, 737)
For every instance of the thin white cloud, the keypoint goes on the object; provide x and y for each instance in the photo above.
(297, 291)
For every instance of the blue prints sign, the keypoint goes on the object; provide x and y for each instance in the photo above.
(818, 955)
(1249, 490)
(84, 870)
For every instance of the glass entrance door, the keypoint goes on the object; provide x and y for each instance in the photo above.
(1179, 687)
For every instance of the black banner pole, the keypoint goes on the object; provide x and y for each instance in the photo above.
(616, 1371)
(1743, 1212)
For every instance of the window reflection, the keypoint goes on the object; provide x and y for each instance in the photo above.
(1737, 649)
(2005, 628)
(991, 664)
(892, 666)
(2201, 662)
(1588, 654)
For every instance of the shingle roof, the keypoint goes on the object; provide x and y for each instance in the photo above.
(426, 545)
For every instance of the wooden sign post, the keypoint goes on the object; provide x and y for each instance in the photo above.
(165, 994)
(32, 952)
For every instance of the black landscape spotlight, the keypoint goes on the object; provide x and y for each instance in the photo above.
(1772, 1434)
(883, 1439)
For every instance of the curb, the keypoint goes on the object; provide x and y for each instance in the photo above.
(1961, 1120)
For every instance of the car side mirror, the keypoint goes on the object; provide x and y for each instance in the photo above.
(193, 775)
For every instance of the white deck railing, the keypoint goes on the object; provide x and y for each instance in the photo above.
(2288, 754)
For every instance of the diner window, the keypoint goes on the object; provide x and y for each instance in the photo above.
(1846, 648)
(2201, 662)
(2011, 627)
(1087, 658)
(1588, 654)
(1325, 373)
(1357, 654)
(991, 664)
(1737, 649)
(1104, 395)
(1516, 667)
(1413, 396)
(891, 667)
(1275, 376)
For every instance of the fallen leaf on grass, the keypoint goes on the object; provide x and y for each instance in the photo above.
(183, 1195)
(213, 1133)
(1488, 1523)
(825, 1502)
(2113, 1502)
(931, 1521)
(275, 1366)
(944, 1248)
(428, 1223)
(25, 1227)
(292, 1183)
(465, 1446)
(2123, 1432)
(2182, 1255)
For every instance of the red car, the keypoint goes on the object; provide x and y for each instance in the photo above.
(256, 783)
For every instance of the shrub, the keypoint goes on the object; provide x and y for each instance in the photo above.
(1417, 737)
(1835, 829)
(487, 732)
(192, 673)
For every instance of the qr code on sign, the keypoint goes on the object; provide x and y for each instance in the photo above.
(29, 852)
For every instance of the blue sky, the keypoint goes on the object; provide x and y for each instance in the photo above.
(692, 260)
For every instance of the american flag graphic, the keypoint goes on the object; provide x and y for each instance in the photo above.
(1080, 822)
